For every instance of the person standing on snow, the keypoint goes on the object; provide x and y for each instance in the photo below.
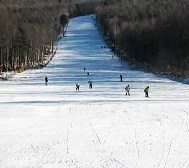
(90, 84)
(77, 86)
(127, 89)
(146, 90)
(121, 78)
(46, 80)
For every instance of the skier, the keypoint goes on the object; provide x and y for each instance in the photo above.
(146, 90)
(88, 73)
(121, 78)
(127, 89)
(84, 68)
(46, 80)
(77, 86)
(90, 84)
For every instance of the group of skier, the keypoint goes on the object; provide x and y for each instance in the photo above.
(90, 85)
(89, 82)
(127, 88)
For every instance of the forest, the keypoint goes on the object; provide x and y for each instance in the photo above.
(153, 34)
(29, 30)
(149, 34)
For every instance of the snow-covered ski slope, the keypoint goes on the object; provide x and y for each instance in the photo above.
(56, 126)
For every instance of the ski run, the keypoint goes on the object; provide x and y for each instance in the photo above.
(55, 126)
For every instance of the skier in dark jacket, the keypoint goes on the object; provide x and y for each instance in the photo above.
(90, 84)
(146, 90)
(77, 86)
(121, 78)
(46, 80)
(127, 89)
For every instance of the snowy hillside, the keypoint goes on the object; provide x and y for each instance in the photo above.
(55, 126)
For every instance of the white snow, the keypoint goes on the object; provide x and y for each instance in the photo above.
(55, 126)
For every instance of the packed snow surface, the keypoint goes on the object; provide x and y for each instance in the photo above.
(55, 126)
